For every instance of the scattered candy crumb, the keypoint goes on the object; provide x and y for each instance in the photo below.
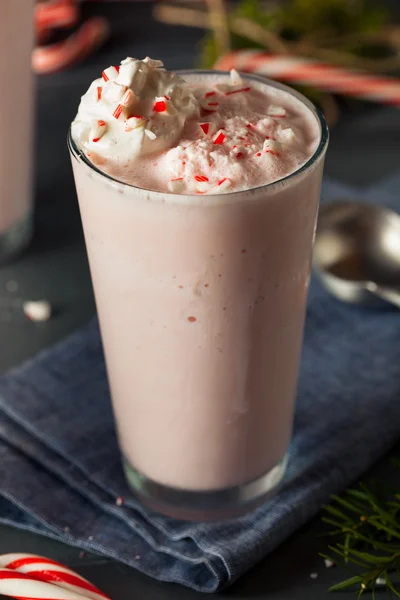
(82, 554)
(90, 538)
(137, 557)
(37, 311)
(380, 581)
(314, 575)
(119, 501)
(66, 529)
(329, 563)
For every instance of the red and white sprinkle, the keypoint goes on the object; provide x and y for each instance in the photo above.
(135, 122)
(118, 111)
(110, 74)
(287, 136)
(223, 184)
(127, 98)
(150, 134)
(209, 102)
(97, 130)
(238, 91)
(208, 129)
(219, 138)
(235, 77)
(276, 111)
(176, 185)
(37, 311)
(160, 106)
(329, 563)
(272, 147)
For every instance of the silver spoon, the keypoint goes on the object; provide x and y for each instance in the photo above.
(357, 252)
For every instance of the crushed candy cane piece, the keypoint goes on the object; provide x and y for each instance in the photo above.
(203, 186)
(209, 104)
(243, 89)
(208, 128)
(97, 130)
(235, 77)
(223, 184)
(150, 134)
(201, 178)
(160, 106)
(127, 98)
(113, 92)
(99, 92)
(135, 122)
(176, 185)
(287, 135)
(314, 575)
(219, 138)
(119, 501)
(329, 563)
(118, 111)
(272, 147)
(37, 311)
(110, 73)
(276, 111)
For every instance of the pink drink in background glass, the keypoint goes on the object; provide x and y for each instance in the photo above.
(16, 103)
(201, 301)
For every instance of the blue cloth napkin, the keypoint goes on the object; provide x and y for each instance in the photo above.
(60, 472)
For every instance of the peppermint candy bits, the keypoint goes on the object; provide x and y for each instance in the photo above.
(135, 122)
(110, 74)
(97, 130)
(276, 111)
(208, 129)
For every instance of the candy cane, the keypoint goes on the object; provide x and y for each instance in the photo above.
(23, 587)
(303, 71)
(59, 13)
(51, 572)
(90, 36)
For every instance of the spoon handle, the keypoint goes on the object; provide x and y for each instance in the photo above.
(391, 295)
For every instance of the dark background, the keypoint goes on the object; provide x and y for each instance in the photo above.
(364, 148)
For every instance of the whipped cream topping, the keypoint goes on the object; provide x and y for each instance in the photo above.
(209, 135)
(134, 109)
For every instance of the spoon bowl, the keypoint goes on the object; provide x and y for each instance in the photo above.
(357, 252)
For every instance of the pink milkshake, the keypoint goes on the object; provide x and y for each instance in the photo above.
(198, 199)
(16, 103)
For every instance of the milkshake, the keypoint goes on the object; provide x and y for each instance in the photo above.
(198, 195)
(16, 42)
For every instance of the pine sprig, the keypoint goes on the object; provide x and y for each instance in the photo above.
(365, 526)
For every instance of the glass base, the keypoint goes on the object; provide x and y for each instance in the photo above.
(16, 239)
(204, 505)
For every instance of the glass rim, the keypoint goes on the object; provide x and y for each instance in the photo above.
(319, 152)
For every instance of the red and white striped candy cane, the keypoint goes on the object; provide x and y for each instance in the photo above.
(51, 571)
(304, 71)
(58, 13)
(48, 59)
(20, 586)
